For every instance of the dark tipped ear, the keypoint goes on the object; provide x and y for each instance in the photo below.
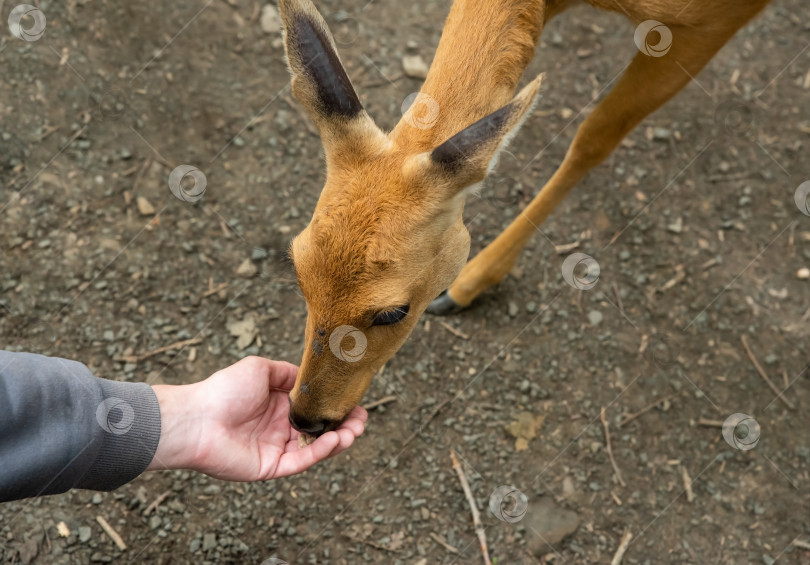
(319, 81)
(469, 155)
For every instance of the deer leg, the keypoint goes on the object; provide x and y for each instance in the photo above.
(647, 83)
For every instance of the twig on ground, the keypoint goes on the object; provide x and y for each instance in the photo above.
(479, 527)
(111, 532)
(442, 542)
(710, 423)
(215, 289)
(687, 484)
(159, 350)
(566, 248)
(380, 402)
(157, 502)
(454, 331)
(630, 417)
(610, 449)
(764, 375)
(617, 558)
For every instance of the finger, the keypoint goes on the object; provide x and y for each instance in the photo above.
(355, 425)
(298, 460)
(346, 439)
(359, 412)
(282, 374)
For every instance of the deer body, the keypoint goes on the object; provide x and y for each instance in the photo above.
(387, 235)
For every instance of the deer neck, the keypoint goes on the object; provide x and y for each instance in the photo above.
(484, 49)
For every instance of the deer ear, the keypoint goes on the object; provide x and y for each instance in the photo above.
(468, 156)
(319, 81)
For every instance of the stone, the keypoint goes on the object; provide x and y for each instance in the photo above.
(595, 317)
(145, 207)
(84, 533)
(548, 524)
(676, 226)
(270, 20)
(209, 542)
(803, 274)
(247, 269)
(414, 66)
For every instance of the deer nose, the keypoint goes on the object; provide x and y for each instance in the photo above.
(305, 425)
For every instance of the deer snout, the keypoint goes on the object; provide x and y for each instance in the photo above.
(309, 424)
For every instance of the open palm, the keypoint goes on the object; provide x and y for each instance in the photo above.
(237, 425)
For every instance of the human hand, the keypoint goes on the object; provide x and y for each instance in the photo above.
(234, 425)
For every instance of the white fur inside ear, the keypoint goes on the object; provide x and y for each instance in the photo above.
(511, 134)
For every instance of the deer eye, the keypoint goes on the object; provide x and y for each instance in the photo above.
(388, 317)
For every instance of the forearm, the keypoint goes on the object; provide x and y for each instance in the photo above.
(63, 428)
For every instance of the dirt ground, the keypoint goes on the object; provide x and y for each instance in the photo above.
(692, 222)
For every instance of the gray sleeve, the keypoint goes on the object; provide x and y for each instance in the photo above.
(63, 428)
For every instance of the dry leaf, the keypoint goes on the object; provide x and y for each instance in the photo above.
(244, 330)
(523, 428)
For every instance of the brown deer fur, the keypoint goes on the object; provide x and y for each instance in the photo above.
(387, 230)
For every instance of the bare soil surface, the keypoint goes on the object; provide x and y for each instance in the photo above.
(692, 222)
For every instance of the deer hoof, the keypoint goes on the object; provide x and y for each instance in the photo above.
(443, 305)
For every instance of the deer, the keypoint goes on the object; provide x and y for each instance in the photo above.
(387, 241)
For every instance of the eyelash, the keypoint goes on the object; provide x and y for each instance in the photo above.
(391, 316)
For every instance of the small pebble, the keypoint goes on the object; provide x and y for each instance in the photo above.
(595, 317)
(513, 309)
(145, 207)
(209, 542)
(414, 66)
(270, 21)
(803, 274)
(247, 269)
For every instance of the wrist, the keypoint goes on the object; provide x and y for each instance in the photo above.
(178, 447)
